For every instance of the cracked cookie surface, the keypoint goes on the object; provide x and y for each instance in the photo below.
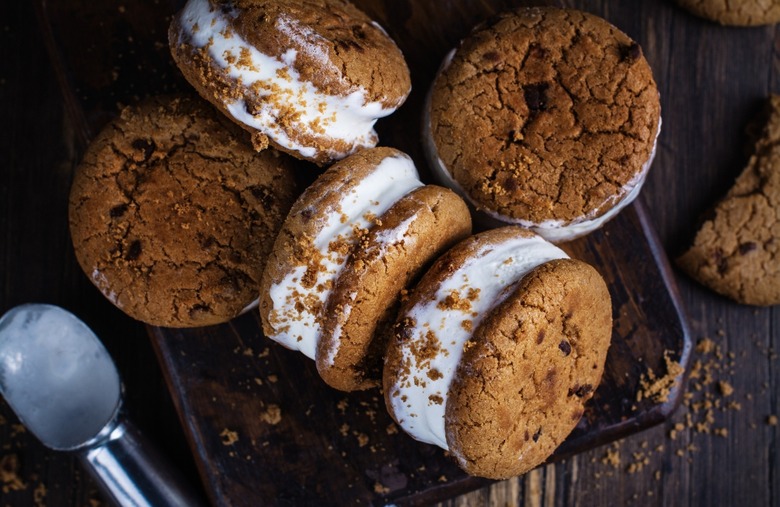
(309, 77)
(529, 369)
(736, 252)
(735, 12)
(172, 213)
(545, 114)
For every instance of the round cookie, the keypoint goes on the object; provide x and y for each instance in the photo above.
(172, 214)
(310, 77)
(418, 227)
(545, 118)
(528, 371)
(450, 328)
(735, 12)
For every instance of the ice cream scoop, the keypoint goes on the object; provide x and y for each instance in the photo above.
(62, 384)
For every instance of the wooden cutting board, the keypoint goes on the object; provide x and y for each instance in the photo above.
(263, 427)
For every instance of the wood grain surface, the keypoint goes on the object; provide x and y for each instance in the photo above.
(712, 80)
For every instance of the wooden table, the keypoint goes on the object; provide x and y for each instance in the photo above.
(718, 449)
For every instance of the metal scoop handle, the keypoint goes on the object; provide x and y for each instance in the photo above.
(133, 473)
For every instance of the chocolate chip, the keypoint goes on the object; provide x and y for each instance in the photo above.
(580, 390)
(134, 250)
(358, 32)
(537, 51)
(230, 283)
(510, 183)
(631, 52)
(208, 242)
(565, 347)
(118, 210)
(306, 215)
(492, 56)
(720, 261)
(540, 337)
(536, 96)
(264, 195)
(748, 247)
(537, 435)
(146, 146)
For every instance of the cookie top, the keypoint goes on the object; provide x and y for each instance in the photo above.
(735, 12)
(360, 310)
(309, 76)
(460, 290)
(528, 371)
(318, 235)
(545, 116)
(172, 213)
(736, 252)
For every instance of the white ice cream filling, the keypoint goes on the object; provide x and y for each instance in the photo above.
(446, 322)
(557, 231)
(285, 104)
(297, 307)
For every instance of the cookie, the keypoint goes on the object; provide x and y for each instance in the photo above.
(735, 12)
(172, 213)
(360, 310)
(353, 222)
(736, 252)
(527, 372)
(545, 118)
(504, 331)
(310, 77)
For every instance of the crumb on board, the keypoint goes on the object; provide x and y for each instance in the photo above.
(272, 415)
(658, 389)
(9, 474)
(229, 437)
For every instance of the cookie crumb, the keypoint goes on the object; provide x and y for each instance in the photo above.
(228, 437)
(658, 389)
(612, 457)
(9, 474)
(771, 420)
(39, 495)
(272, 415)
(725, 388)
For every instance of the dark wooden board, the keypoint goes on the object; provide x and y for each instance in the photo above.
(228, 381)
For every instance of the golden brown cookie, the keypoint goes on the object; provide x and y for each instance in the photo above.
(546, 118)
(528, 371)
(413, 232)
(736, 252)
(309, 77)
(172, 213)
(352, 222)
(460, 341)
(735, 12)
